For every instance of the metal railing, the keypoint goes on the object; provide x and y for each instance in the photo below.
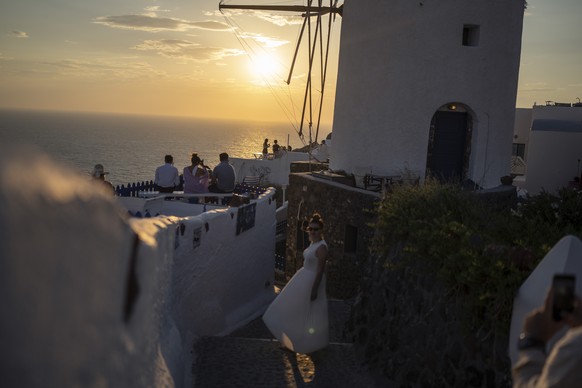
(133, 189)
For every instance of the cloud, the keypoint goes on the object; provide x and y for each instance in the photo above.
(537, 87)
(19, 34)
(153, 23)
(265, 41)
(537, 90)
(112, 70)
(183, 49)
(278, 20)
(155, 8)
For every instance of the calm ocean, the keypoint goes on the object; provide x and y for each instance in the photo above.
(131, 147)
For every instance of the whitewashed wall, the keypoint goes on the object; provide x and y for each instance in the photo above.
(522, 127)
(552, 112)
(554, 151)
(68, 259)
(275, 171)
(401, 60)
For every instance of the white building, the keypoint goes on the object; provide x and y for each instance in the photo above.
(549, 139)
(428, 86)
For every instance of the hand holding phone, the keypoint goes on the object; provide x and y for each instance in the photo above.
(564, 286)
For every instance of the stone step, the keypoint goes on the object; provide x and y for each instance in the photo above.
(250, 362)
(251, 357)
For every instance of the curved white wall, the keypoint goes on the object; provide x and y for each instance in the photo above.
(401, 60)
(68, 259)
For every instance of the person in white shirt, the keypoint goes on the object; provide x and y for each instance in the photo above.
(167, 176)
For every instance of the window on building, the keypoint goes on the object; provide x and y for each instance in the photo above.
(351, 239)
(470, 35)
(518, 150)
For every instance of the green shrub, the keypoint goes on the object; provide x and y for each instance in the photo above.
(480, 254)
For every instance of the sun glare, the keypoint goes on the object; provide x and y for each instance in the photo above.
(265, 65)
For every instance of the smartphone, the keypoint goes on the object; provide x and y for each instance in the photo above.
(564, 286)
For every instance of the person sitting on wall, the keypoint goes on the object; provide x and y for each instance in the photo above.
(167, 176)
(98, 175)
(223, 176)
(196, 178)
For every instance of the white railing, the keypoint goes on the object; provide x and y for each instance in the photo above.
(518, 165)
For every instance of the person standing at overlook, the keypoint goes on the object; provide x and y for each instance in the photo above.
(266, 146)
(167, 177)
(276, 149)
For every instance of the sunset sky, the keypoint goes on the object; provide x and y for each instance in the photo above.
(177, 57)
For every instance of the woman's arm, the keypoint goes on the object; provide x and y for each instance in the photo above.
(321, 254)
(201, 171)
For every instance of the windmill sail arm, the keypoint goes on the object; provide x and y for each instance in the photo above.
(311, 10)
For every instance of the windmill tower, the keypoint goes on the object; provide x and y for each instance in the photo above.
(427, 87)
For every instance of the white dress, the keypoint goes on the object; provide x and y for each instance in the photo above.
(298, 323)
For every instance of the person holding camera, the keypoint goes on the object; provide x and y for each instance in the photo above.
(563, 366)
(196, 178)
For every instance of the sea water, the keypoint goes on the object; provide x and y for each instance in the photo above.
(131, 147)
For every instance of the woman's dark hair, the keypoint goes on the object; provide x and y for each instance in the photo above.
(195, 159)
(316, 219)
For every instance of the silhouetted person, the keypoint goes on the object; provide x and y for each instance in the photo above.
(167, 176)
(196, 178)
(266, 146)
(223, 176)
(98, 174)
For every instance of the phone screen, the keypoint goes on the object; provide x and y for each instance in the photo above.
(564, 286)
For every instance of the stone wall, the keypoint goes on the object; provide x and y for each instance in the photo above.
(347, 213)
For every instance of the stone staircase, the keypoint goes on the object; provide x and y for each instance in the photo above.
(251, 357)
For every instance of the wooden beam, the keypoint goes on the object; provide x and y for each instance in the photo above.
(289, 8)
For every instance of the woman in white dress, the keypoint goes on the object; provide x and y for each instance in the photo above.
(298, 316)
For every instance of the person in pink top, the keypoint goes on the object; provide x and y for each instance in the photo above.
(196, 178)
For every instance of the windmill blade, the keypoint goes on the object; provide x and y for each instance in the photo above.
(296, 51)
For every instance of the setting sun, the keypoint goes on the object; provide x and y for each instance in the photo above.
(265, 65)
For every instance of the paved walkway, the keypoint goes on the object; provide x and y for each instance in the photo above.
(251, 357)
